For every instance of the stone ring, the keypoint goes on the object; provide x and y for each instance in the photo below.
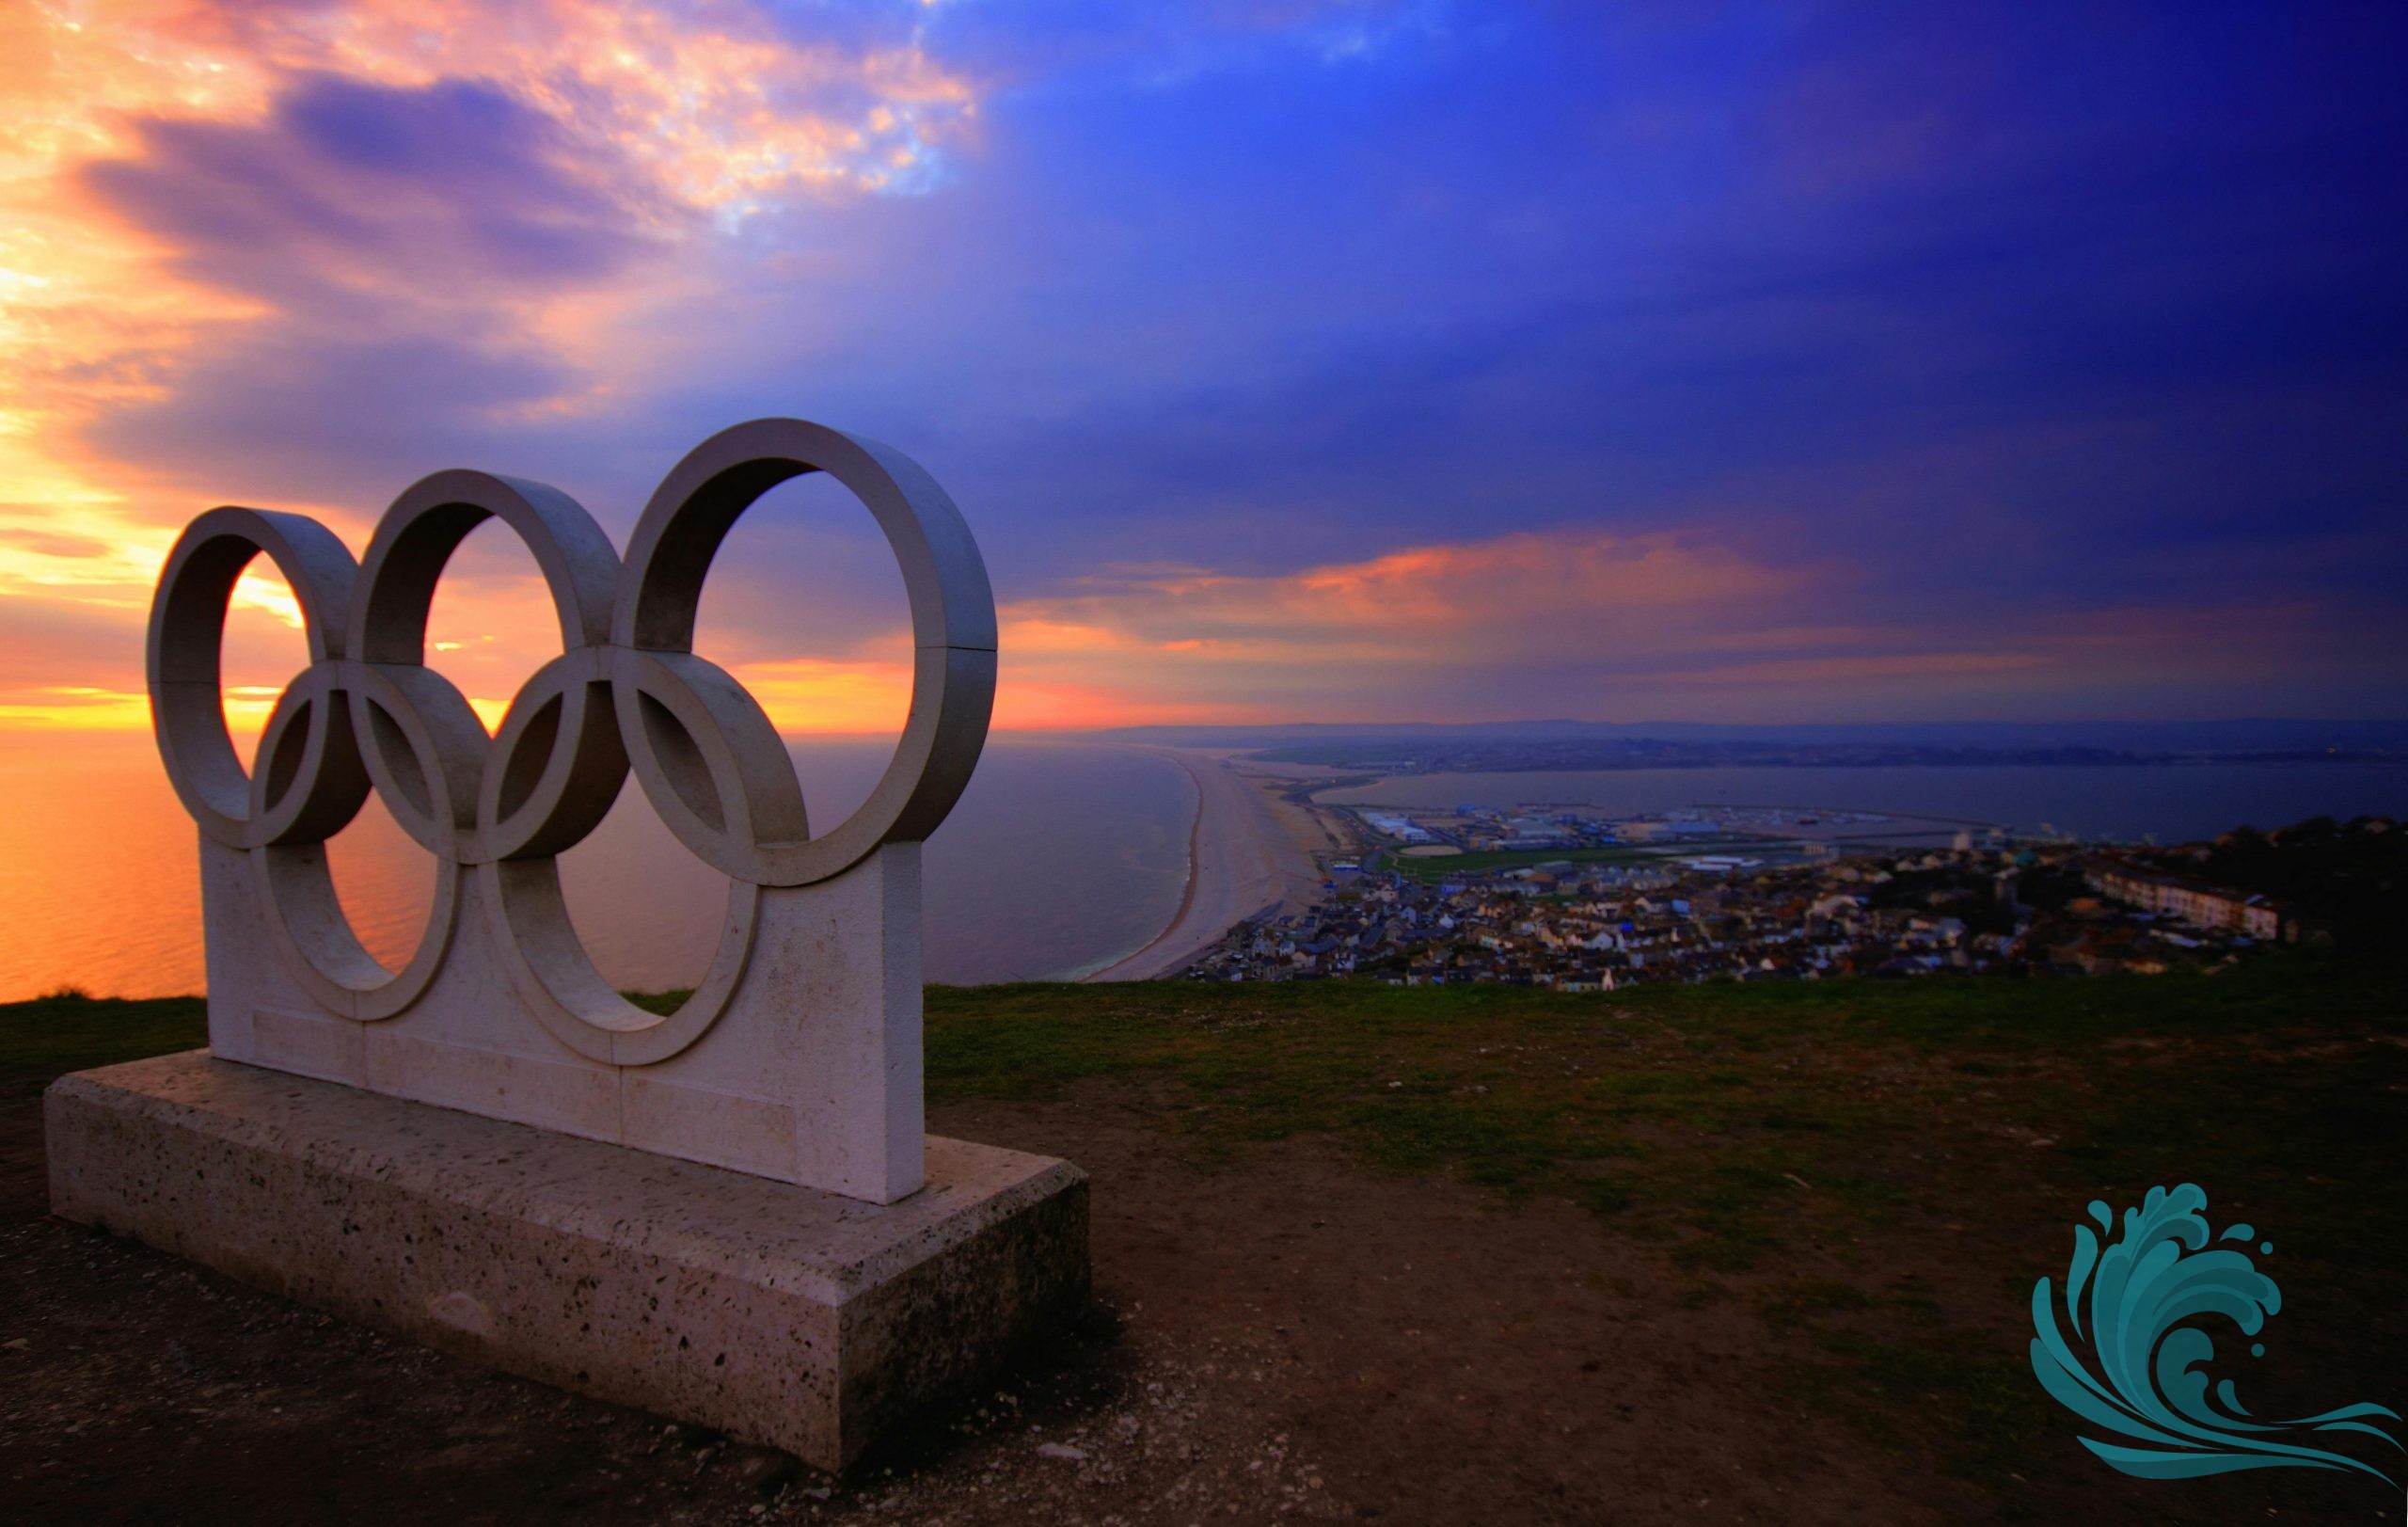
(627, 692)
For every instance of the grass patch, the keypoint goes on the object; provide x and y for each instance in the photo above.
(2001, 1417)
(1475, 861)
(1478, 860)
(1728, 1108)
(70, 1032)
(1831, 1154)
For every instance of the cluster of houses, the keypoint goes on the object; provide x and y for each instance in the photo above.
(2214, 907)
(2046, 909)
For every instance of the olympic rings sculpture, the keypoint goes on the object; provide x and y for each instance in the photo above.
(626, 693)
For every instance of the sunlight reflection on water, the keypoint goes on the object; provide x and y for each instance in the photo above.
(1060, 857)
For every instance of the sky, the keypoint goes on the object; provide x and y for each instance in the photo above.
(1291, 359)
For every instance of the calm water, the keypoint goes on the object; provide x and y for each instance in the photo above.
(1061, 858)
(2172, 802)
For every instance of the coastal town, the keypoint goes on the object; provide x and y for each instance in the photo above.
(1577, 902)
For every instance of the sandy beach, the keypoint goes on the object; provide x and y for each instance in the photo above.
(1249, 851)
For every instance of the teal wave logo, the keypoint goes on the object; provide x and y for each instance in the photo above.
(2128, 1303)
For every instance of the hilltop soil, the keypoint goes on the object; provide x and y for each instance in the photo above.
(1282, 1332)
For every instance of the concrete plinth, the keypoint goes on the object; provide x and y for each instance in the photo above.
(779, 1315)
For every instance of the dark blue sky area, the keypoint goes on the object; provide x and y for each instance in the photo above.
(2032, 359)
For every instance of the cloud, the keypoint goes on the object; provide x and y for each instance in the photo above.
(53, 544)
(1426, 631)
(270, 158)
(376, 206)
(1288, 355)
(298, 254)
(1647, 627)
(357, 417)
(1461, 604)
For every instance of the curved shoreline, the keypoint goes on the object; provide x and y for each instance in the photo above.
(1110, 969)
(1241, 862)
(1194, 855)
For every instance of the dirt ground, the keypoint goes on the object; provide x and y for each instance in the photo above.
(1283, 1333)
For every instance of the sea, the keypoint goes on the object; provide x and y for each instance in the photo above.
(1062, 857)
(2125, 802)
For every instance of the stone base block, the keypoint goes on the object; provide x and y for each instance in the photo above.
(776, 1314)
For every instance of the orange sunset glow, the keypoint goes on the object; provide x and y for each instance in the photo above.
(299, 255)
(695, 128)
